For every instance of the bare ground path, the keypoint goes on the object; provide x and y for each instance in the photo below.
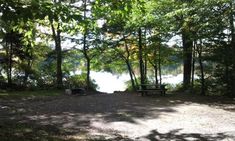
(118, 117)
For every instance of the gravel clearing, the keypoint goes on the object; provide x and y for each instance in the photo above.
(126, 117)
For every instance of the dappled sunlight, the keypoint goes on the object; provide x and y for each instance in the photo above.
(127, 116)
(176, 134)
(117, 70)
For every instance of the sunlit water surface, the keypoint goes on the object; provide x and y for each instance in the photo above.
(109, 82)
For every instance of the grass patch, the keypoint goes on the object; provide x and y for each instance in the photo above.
(25, 94)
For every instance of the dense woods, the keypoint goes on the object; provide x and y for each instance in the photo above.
(45, 43)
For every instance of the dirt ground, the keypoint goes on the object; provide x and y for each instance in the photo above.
(118, 116)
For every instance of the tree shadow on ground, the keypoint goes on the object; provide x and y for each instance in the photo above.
(72, 115)
(177, 136)
(110, 107)
(17, 131)
(34, 132)
(223, 102)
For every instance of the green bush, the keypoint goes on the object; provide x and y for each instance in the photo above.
(79, 81)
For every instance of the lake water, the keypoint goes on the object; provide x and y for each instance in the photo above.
(109, 82)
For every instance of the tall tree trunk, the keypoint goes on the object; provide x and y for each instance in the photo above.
(159, 66)
(145, 68)
(187, 51)
(10, 65)
(29, 66)
(155, 63)
(145, 56)
(135, 79)
(193, 64)
(203, 89)
(227, 72)
(26, 73)
(232, 5)
(88, 73)
(58, 49)
(141, 64)
(59, 59)
(85, 48)
(88, 61)
(155, 74)
(131, 75)
(127, 60)
(8, 53)
(155, 66)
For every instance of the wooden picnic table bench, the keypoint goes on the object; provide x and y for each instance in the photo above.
(145, 89)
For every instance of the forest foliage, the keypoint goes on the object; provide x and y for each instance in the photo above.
(45, 43)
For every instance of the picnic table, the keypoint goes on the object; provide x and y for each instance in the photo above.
(146, 89)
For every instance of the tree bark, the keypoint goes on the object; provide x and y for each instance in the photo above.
(155, 74)
(59, 59)
(9, 72)
(141, 64)
(193, 64)
(233, 44)
(85, 49)
(199, 50)
(58, 49)
(135, 79)
(8, 53)
(159, 66)
(88, 73)
(127, 60)
(26, 73)
(131, 75)
(145, 56)
(187, 52)
(154, 64)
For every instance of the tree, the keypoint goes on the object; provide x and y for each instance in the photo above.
(232, 29)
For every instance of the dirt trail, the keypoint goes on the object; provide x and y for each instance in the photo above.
(125, 117)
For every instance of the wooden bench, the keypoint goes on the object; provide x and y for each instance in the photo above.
(153, 89)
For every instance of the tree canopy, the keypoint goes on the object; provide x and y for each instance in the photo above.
(44, 43)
